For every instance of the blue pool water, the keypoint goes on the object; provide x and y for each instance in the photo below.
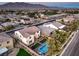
(43, 48)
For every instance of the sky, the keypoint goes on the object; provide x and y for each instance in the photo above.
(56, 4)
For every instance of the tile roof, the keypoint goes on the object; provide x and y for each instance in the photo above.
(29, 30)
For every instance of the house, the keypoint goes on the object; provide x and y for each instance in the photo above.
(27, 35)
(34, 30)
(46, 31)
(7, 24)
(3, 51)
(55, 25)
(1, 28)
(6, 41)
(41, 15)
(26, 21)
(47, 28)
(67, 19)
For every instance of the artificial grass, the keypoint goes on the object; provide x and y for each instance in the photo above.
(36, 45)
(22, 52)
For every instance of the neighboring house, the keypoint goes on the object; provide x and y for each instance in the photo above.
(67, 19)
(3, 51)
(26, 21)
(27, 35)
(8, 24)
(6, 41)
(55, 25)
(1, 28)
(46, 31)
(41, 15)
(24, 17)
(49, 27)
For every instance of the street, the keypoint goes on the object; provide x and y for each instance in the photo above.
(73, 47)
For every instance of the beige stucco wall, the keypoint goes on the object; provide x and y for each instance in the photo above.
(7, 45)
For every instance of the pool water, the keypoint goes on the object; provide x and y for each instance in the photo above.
(43, 48)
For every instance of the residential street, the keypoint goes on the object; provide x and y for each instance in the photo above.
(73, 47)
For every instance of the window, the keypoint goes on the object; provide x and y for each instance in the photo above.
(29, 37)
(8, 42)
(16, 33)
(20, 35)
(51, 33)
(30, 41)
(37, 31)
(0, 44)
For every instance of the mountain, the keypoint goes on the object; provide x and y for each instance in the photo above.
(21, 5)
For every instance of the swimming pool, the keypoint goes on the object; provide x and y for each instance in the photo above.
(43, 48)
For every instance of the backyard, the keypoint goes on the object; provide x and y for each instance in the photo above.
(22, 52)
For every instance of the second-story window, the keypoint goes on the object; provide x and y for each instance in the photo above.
(8, 42)
(30, 41)
(29, 37)
(37, 31)
(20, 36)
(0, 44)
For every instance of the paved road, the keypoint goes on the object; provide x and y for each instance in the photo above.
(73, 48)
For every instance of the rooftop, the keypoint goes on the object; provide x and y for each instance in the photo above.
(57, 24)
(29, 30)
(8, 23)
(4, 37)
(46, 30)
(3, 50)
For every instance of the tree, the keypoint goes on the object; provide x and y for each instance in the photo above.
(62, 21)
(60, 36)
(9, 27)
(54, 46)
(72, 26)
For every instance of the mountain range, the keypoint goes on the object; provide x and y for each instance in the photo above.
(51, 5)
(21, 5)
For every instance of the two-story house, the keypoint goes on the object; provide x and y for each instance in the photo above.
(27, 35)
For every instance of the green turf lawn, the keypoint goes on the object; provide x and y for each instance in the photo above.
(22, 52)
(36, 45)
